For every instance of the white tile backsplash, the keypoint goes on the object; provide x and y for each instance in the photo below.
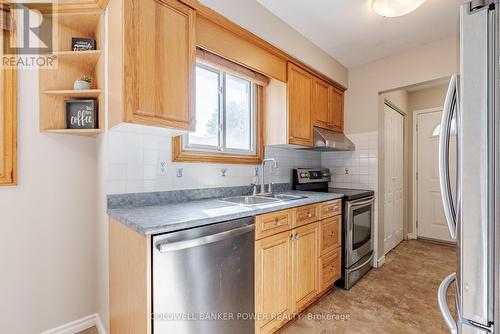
(134, 158)
(357, 169)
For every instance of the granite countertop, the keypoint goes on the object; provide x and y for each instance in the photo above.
(157, 219)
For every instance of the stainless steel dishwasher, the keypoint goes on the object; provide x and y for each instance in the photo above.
(203, 279)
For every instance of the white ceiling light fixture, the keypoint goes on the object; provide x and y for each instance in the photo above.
(395, 8)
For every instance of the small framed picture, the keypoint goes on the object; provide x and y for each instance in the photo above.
(81, 114)
(82, 44)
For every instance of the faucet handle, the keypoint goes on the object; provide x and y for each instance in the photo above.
(270, 187)
(254, 185)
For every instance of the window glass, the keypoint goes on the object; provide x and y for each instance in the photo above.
(207, 109)
(225, 113)
(238, 113)
(437, 129)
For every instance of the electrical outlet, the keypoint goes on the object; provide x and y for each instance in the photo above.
(347, 171)
(162, 167)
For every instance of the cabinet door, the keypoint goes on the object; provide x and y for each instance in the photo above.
(322, 109)
(159, 63)
(272, 282)
(299, 94)
(337, 103)
(305, 257)
(330, 268)
(330, 234)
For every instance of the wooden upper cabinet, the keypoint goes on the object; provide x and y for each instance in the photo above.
(328, 106)
(299, 95)
(154, 63)
(337, 105)
(322, 109)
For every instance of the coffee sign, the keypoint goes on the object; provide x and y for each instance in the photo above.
(82, 44)
(81, 114)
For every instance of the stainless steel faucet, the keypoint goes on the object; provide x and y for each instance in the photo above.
(262, 184)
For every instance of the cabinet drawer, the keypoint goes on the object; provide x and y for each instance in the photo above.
(330, 234)
(330, 270)
(331, 208)
(272, 223)
(306, 214)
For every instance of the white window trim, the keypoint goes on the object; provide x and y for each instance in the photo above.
(222, 149)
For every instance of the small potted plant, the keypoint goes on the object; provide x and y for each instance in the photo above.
(83, 82)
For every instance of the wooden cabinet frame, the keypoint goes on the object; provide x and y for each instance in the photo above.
(8, 133)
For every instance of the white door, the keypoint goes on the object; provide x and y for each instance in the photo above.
(393, 172)
(431, 223)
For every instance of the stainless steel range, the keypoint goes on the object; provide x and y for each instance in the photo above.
(357, 226)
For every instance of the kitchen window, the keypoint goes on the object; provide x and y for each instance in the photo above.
(225, 113)
(228, 108)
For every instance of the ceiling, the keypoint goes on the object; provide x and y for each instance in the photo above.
(353, 34)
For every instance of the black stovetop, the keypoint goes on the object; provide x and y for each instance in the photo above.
(351, 194)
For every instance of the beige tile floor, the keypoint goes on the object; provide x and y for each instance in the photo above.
(398, 298)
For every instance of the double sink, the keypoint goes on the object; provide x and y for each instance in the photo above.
(262, 199)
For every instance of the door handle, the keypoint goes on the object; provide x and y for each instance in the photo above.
(451, 102)
(443, 305)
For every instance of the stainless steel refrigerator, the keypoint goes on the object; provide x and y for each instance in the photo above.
(472, 210)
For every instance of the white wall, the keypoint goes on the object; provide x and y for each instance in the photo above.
(363, 99)
(427, 62)
(48, 226)
(431, 97)
(257, 19)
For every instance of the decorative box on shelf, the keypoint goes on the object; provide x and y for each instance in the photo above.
(81, 114)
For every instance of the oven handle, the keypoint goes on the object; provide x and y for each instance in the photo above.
(352, 204)
(362, 264)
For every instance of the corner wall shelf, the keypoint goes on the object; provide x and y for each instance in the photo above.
(76, 132)
(74, 93)
(71, 65)
(89, 58)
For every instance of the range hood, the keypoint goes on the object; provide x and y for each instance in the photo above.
(326, 140)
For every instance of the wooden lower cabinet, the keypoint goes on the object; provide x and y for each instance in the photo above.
(330, 270)
(305, 252)
(272, 282)
(294, 268)
(330, 235)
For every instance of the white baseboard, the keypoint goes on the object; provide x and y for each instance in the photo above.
(411, 236)
(79, 325)
(381, 262)
(100, 326)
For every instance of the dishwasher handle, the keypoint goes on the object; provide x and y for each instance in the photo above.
(166, 246)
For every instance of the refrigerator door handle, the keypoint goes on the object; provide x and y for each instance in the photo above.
(443, 305)
(444, 149)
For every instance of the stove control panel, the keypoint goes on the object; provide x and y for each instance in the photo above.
(312, 175)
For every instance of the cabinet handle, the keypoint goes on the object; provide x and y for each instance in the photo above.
(332, 234)
(309, 214)
(277, 222)
(297, 236)
(292, 237)
(333, 268)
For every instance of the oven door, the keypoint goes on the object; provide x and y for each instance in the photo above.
(359, 229)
